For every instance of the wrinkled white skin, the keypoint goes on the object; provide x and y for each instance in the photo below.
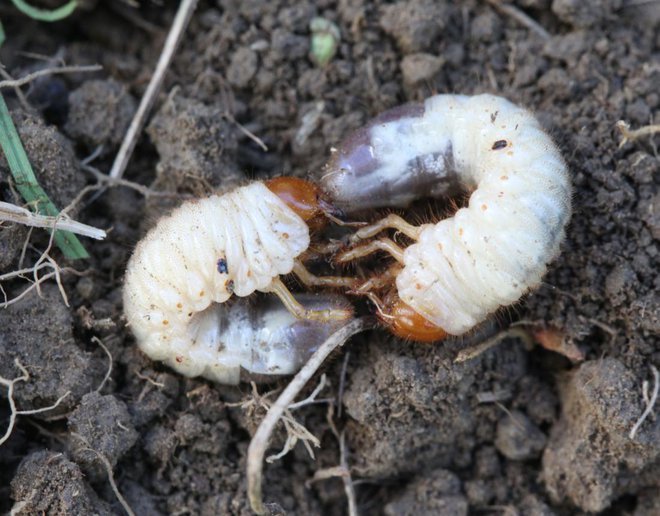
(174, 275)
(257, 338)
(490, 253)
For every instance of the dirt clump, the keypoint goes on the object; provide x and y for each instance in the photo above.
(100, 426)
(438, 492)
(99, 114)
(38, 331)
(590, 457)
(196, 144)
(47, 482)
(51, 155)
(518, 438)
(516, 428)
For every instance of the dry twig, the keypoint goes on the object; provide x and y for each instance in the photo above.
(12, 213)
(520, 17)
(22, 81)
(259, 443)
(183, 15)
(111, 181)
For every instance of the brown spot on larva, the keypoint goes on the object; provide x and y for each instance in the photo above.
(285, 236)
(500, 144)
(460, 231)
(504, 178)
(249, 274)
(493, 117)
(501, 194)
(178, 359)
(418, 286)
(179, 306)
(229, 285)
(440, 245)
(165, 322)
(190, 314)
(484, 207)
(201, 293)
(510, 153)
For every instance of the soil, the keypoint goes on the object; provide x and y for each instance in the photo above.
(518, 429)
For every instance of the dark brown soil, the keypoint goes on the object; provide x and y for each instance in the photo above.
(552, 436)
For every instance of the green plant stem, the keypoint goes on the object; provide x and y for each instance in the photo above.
(28, 186)
(47, 15)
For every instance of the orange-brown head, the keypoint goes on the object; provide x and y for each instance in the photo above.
(305, 199)
(404, 322)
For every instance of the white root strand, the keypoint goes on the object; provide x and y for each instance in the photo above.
(12, 213)
(108, 469)
(25, 376)
(650, 403)
(520, 17)
(259, 443)
(22, 81)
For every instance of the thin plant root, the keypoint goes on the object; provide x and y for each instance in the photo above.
(22, 81)
(295, 431)
(25, 376)
(630, 135)
(474, 351)
(44, 261)
(259, 443)
(108, 468)
(109, 371)
(650, 402)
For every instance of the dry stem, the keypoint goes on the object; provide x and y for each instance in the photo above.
(520, 17)
(259, 443)
(12, 213)
(183, 15)
(16, 83)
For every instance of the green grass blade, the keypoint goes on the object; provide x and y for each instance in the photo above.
(47, 15)
(2, 34)
(29, 187)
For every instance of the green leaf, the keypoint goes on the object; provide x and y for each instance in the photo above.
(29, 187)
(47, 15)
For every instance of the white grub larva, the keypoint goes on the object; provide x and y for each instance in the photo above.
(488, 254)
(190, 264)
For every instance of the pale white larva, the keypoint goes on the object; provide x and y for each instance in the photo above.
(489, 253)
(194, 260)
